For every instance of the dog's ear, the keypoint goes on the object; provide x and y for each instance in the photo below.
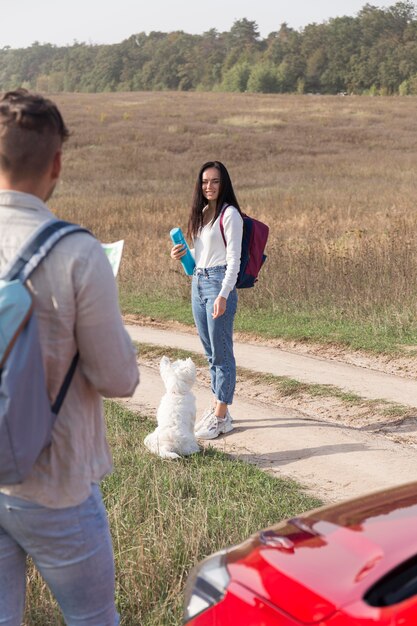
(188, 368)
(164, 364)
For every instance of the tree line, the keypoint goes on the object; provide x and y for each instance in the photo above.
(374, 53)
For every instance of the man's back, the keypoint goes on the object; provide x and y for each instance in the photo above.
(75, 301)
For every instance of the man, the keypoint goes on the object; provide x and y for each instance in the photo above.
(56, 515)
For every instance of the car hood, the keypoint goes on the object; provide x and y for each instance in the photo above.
(313, 565)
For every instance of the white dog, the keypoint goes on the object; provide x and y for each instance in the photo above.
(174, 435)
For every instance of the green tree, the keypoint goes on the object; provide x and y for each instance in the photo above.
(236, 78)
(264, 78)
(315, 67)
(286, 41)
(342, 42)
(284, 50)
(210, 54)
(243, 43)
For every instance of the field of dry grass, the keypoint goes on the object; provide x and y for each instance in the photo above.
(334, 177)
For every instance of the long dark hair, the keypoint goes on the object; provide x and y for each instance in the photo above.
(226, 195)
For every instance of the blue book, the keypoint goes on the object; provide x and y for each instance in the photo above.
(187, 260)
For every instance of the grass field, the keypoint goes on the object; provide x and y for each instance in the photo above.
(334, 177)
(165, 516)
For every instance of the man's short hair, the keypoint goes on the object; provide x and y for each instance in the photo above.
(31, 132)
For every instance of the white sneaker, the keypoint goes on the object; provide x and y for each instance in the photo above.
(215, 426)
(199, 425)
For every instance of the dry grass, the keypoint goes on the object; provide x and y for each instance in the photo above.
(334, 177)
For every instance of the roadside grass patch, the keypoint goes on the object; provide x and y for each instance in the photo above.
(157, 352)
(165, 516)
(320, 325)
(397, 410)
(286, 386)
(327, 326)
(156, 306)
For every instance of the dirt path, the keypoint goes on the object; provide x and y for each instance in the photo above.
(367, 383)
(332, 460)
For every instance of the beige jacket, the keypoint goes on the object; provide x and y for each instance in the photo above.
(76, 303)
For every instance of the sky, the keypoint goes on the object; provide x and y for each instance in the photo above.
(62, 22)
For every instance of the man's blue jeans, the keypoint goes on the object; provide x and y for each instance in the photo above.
(72, 550)
(216, 335)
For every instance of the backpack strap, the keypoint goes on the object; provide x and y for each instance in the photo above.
(32, 253)
(221, 223)
(65, 385)
(38, 247)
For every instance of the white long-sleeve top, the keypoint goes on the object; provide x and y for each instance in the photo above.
(210, 251)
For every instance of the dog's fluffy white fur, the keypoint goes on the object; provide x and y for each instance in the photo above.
(174, 435)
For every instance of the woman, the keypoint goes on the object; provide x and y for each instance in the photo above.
(213, 294)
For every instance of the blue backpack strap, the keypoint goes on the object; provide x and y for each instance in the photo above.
(27, 260)
(38, 247)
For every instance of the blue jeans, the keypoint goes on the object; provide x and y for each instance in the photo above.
(216, 334)
(72, 550)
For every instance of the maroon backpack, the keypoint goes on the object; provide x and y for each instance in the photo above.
(255, 236)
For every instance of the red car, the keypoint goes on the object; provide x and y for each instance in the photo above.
(353, 563)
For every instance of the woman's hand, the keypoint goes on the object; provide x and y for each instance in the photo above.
(178, 251)
(219, 307)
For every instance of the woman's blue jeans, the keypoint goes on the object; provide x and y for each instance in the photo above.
(216, 334)
(72, 550)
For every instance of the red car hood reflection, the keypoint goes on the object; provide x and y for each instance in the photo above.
(314, 565)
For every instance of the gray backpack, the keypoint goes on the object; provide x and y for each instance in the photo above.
(26, 415)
